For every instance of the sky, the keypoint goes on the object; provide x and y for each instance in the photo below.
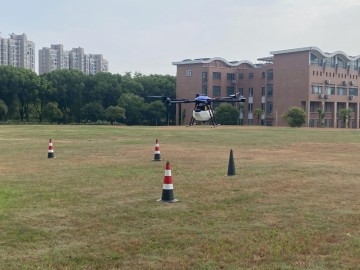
(146, 36)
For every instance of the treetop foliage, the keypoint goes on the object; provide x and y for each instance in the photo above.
(70, 96)
(295, 117)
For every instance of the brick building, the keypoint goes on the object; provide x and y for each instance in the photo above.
(304, 77)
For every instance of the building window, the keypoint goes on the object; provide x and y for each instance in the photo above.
(314, 60)
(341, 63)
(316, 89)
(241, 91)
(270, 74)
(251, 75)
(251, 92)
(353, 91)
(312, 107)
(230, 90)
(230, 76)
(263, 107)
(328, 107)
(216, 91)
(204, 76)
(269, 90)
(341, 91)
(250, 107)
(204, 90)
(188, 73)
(329, 90)
(241, 76)
(216, 75)
(263, 91)
(269, 107)
(262, 74)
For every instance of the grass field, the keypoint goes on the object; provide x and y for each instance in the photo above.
(294, 202)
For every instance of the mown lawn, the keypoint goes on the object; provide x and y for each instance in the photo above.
(294, 202)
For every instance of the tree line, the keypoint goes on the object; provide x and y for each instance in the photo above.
(70, 96)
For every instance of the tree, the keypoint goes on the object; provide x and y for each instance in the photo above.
(18, 90)
(27, 91)
(115, 114)
(159, 85)
(321, 112)
(103, 87)
(43, 96)
(345, 114)
(154, 111)
(227, 114)
(8, 90)
(259, 112)
(52, 113)
(134, 106)
(69, 88)
(131, 86)
(295, 117)
(3, 110)
(26, 95)
(92, 112)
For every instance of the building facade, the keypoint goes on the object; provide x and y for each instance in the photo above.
(305, 77)
(17, 51)
(55, 57)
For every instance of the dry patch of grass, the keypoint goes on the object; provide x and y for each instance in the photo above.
(293, 204)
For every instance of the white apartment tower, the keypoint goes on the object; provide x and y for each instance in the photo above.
(56, 58)
(17, 51)
(77, 59)
(95, 63)
(53, 58)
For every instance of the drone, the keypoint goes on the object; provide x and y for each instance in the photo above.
(203, 110)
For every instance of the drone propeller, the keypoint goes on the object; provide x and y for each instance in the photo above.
(201, 99)
(169, 101)
(230, 99)
(165, 99)
(233, 96)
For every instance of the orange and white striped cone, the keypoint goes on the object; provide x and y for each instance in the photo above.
(157, 156)
(168, 189)
(50, 150)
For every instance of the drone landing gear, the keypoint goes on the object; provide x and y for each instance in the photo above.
(202, 113)
(192, 122)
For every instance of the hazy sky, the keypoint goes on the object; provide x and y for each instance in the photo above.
(147, 36)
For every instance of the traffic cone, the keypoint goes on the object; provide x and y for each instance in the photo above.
(231, 167)
(157, 156)
(167, 193)
(50, 150)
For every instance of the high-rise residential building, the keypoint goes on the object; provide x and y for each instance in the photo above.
(304, 77)
(77, 59)
(95, 63)
(56, 58)
(53, 58)
(17, 51)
